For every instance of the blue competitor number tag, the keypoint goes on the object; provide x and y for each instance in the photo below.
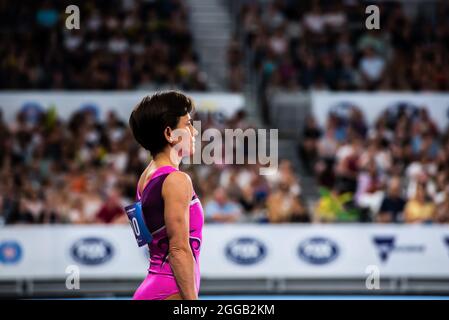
(135, 216)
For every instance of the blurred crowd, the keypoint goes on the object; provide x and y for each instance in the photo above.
(85, 171)
(121, 44)
(323, 44)
(291, 44)
(394, 171)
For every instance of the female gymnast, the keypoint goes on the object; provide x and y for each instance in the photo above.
(172, 212)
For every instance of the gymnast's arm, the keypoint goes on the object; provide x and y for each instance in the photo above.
(177, 192)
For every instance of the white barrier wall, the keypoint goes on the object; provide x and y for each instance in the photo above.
(233, 251)
(122, 102)
(374, 103)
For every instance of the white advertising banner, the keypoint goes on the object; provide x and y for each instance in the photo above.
(374, 103)
(122, 102)
(45, 252)
(233, 251)
(334, 251)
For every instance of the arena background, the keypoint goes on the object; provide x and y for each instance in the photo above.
(360, 204)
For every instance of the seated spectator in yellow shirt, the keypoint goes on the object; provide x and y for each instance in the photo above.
(284, 206)
(420, 208)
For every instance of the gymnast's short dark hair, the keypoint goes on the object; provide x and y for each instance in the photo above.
(154, 114)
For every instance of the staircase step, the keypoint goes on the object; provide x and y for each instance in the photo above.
(213, 38)
(202, 3)
(211, 26)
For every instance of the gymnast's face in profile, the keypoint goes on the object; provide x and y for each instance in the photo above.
(182, 139)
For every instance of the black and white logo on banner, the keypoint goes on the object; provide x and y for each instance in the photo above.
(92, 251)
(246, 251)
(386, 245)
(318, 250)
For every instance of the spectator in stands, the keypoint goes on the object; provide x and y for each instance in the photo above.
(287, 175)
(442, 212)
(331, 206)
(278, 43)
(9, 206)
(221, 208)
(372, 68)
(378, 154)
(314, 21)
(370, 186)
(77, 215)
(4, 135)
(441, 182)
(419, 209)
(284, 206)
(112, 210)
(308, 147)
(59, 203)
(327, 148)
(347, 165)
(348, 77)
(91, 200)
(393, 204)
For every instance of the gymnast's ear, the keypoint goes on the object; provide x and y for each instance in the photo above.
(167, 134)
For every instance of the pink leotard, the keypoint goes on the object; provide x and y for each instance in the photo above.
(160, 282)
